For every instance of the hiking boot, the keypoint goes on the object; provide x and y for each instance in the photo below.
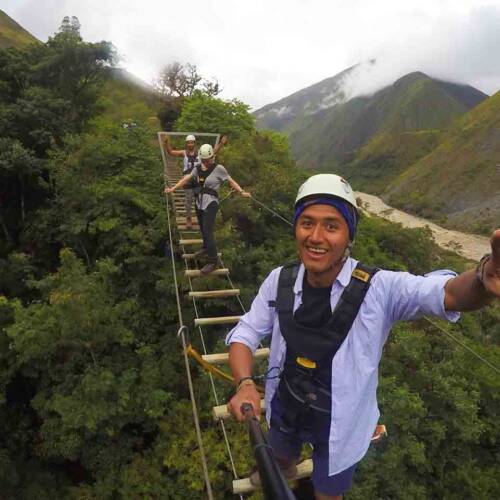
(208, 268)
(189, 223)
(288, 473)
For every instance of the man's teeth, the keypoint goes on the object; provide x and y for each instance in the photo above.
(316, 250)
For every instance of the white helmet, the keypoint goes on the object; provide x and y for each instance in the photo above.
(206, 152)
(328, 185)
(190, 137)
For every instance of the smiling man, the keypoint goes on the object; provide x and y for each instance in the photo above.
(329, 317)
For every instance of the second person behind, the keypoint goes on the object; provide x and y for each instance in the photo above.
(208, 177)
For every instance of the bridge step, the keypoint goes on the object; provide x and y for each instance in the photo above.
(242, 486)
(218, 320)
(221, 412)
(196, 273)
(191, 242)
(190, 256)
(214, 293)
(216, 359)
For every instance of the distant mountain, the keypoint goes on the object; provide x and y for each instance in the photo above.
(458, 183)
(331, 135)
(282, 115)
(12, 34)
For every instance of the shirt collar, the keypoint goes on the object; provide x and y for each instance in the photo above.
(343, 277)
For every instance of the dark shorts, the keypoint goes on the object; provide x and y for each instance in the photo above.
(314, 430)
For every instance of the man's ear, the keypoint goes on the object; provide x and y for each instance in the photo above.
(347, 251)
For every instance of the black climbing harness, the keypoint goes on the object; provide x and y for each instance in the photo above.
(310, 350)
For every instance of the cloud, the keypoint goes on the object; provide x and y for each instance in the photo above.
(261, 51)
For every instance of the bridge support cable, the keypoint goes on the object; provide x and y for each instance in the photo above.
(182, 331)
(172, 172)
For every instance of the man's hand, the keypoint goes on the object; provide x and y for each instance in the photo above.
(491, 269)
(247, 394)
(169, 190)
(246, 194)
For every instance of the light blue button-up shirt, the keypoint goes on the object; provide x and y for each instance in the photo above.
(392, 296)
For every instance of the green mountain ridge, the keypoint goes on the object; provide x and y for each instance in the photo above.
(12, 34)
(283, 115)
(414, 102)
(458, 182)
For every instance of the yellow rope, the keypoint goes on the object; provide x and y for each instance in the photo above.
(191, 351)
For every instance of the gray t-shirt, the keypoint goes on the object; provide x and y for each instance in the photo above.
(213, 181)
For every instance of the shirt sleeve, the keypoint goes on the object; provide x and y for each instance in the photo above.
(410, 297)
(257, 323)
(223, 174)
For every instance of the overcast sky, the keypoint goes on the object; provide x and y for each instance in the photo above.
(262, 50)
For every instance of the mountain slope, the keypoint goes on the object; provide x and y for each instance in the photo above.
(126, 97)
(459, 181)
(12, 34)
(414, 102)
(282, 115)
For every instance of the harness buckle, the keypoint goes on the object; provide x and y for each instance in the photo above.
(306, 363)
(361, 275)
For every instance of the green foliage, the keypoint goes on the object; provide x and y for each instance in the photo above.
(457, 182)
(203, 113)
(47, 91)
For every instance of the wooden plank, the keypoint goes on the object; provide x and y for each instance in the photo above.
(221, 412)
(182, 220)
(191, 242)
(190, 256)
(242, 486)
(214, 293)
(194, 229)
(196, 273)
(217, 320)
(222, 358)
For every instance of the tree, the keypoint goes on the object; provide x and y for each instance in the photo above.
(181, 80)
(204, 113)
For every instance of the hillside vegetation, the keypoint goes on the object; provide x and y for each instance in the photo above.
(459, 181)
(12, 34)
(416, 102)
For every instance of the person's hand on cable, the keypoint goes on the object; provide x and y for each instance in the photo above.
(246, 392)
(245, 194)
(169, 190)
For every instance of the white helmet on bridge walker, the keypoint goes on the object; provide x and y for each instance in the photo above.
(190, 138)
(206, 152)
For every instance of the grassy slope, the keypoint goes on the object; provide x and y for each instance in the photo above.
(459, 182)
(12, 34)
(415, 102)
(386, 156)
(123, 99)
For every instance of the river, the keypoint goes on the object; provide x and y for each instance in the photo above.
(471, 246)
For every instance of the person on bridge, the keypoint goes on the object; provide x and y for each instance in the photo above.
(208, 178)
(329, 317)
(190, 160)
